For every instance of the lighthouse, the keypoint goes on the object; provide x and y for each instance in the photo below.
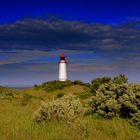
(62, 68)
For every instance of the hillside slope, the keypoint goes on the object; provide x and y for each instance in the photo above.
(16, 118)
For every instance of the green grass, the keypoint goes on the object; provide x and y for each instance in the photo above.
(16, 121)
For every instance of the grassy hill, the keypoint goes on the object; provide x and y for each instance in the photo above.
(16, 117)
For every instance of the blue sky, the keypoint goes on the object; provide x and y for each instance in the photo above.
(99, 38)
(107, 11)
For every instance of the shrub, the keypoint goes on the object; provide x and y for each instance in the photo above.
(53, 85)
(66, 109)
(61, 94)
(97, 82)
(26, 98)
(36, 86)
(117, 98)
(78, 82)
(7, 93)
(84, 95)
(120, 79)
(104, 102)
(135, 120)
(10, 94)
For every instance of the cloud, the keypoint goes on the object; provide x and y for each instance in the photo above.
(29, 49)
(32, 56)
(41, 34)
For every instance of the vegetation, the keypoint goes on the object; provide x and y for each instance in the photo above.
(67, 109)
(98, 82)
(116, 98)
(6, 93)
(107, 108)
(61, 94)
(55, 85)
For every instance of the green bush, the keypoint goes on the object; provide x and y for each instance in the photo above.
(25, 99)
(116, 98)
(78, 82)
(36, 86)
(61, 94)
(53, 85)
(135, 120)
(98, 82)
(84, 95)
(104, 102)
(65, 109)
(120, 79)
(7, 93)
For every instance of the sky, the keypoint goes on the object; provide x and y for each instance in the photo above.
(98, 37)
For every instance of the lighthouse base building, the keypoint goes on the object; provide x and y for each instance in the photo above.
(62, 68)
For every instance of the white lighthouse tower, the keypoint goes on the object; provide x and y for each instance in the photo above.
(62, 68)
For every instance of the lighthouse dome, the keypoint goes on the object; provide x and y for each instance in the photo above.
(62, 56)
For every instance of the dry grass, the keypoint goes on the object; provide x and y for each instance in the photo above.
(16, 123)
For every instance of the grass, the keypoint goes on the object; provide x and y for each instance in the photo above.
(16, 122)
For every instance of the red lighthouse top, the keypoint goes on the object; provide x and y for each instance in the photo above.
(62, 56)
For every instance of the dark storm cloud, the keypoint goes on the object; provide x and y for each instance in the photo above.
(41, 34)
